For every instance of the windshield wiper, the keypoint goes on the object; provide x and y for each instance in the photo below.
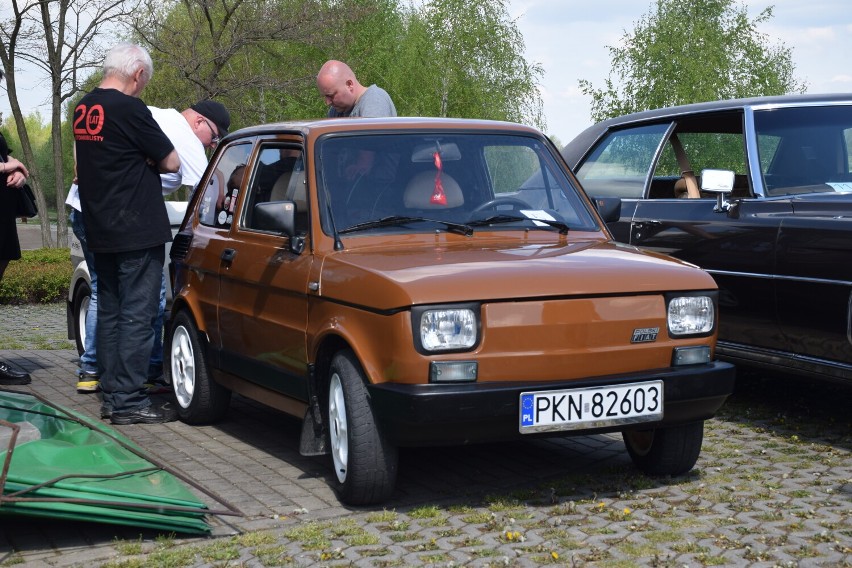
(393, 220)
(499, 219)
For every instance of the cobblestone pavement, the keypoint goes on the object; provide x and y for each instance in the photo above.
(773, 487)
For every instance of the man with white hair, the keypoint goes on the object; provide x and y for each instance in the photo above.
(120, 152)
(190, 131)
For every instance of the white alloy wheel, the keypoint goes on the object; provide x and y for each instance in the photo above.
(82, 314)
(339, 428)
(200, 399)
(182, 366)
(364, 461)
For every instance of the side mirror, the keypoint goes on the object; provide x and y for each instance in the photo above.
(276, 216)
(609, 208)
(719, 182)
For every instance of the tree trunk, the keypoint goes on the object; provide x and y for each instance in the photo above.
(58, 181)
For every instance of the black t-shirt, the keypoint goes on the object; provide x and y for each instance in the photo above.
(120, 193)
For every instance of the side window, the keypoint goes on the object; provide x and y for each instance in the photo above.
(719, 150)
(619, 165)
(223, 187)
(701, 150)
(278, 176)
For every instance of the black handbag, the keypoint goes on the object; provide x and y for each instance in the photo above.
(26, 203)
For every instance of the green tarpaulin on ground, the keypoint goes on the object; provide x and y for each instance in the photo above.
(64, 465)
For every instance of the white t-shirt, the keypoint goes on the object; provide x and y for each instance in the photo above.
(193, 160)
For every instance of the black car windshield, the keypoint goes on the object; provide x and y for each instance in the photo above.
(805, 149)
(383, 182)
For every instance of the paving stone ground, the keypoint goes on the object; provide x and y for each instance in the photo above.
(773, 487)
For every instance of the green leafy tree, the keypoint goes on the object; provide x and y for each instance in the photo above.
(63, 40)
(687, 51)
(258, 57)
(472, 56)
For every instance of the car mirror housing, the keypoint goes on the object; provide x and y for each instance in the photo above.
(276, 216)
(716, 181)
(720, 182)
(609, 208)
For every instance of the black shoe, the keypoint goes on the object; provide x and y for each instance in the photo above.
(10, 376)
(151, 414)
(106, 412)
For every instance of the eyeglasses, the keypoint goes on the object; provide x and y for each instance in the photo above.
(214, 138)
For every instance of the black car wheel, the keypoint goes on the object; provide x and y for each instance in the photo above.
(80, 307)
(665, 451)
(365, 463)
(200, 399)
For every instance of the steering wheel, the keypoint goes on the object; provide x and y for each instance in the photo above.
(514, 202)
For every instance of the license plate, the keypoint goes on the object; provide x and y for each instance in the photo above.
(595, 407)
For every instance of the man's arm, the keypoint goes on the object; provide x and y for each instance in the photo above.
(170, 163)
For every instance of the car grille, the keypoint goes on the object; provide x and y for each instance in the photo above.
(180, 246)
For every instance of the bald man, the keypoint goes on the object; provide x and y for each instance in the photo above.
(345, 96)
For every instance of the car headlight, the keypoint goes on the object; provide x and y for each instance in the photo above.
(446, 328)
(691, 315)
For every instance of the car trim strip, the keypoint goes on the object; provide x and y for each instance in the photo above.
(781, 277)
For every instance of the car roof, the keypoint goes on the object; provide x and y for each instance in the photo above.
(576, 149)
(316, 127)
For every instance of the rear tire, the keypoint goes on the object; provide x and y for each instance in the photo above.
(365, 464)
(672, 450)
(200, 399)
(82, 299)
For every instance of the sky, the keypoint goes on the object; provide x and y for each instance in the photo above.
(569, 38)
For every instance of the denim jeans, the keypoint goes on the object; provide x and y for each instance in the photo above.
(128, 300)
(89, 358)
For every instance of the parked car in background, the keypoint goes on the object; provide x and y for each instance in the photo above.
(80, 289)
(409, 282)
(776, 236)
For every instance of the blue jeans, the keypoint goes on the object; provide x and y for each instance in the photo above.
(89, 358)
(128, 300)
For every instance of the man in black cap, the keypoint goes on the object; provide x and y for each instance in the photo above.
(190, 131)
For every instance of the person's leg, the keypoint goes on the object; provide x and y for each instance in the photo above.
(9, 375)
(140, 278)
(107, 329)
(155, 364)
(88, 372)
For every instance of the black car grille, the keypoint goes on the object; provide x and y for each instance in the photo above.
(180, 246)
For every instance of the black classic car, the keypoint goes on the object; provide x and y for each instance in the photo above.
(776, 233)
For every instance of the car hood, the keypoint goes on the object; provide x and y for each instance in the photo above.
(386, 278)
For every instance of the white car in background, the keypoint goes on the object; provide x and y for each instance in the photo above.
(80, 290)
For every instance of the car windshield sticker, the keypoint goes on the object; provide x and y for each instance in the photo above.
(537, 214)
(840, 186)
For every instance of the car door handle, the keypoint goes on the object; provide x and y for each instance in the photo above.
(228, 255)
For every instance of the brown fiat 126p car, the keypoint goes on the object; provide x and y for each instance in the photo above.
(409, 282)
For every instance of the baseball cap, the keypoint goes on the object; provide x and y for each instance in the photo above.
(216, 112)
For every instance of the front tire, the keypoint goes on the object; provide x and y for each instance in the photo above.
(200, 399)
(365, 464)
(672, 450)
(82, 299)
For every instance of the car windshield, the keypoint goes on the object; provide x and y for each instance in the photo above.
(805, 149)
(435, 181)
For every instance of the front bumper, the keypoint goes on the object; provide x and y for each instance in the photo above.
(452, 414)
